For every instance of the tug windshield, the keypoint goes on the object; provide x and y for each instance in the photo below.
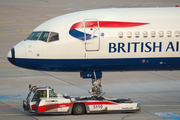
(29, 97)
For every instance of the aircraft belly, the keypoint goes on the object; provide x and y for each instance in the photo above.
(124, 64)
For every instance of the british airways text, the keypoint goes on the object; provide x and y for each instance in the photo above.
(143, 47)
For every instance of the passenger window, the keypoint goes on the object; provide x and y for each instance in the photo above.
(53, 37)
(169, 33)
(177, 33)
(145, 34)
(161, 33)
(137, 34)
(34, 36)
(120, 34)
(129, 34)
(44, 36)
(153, 34)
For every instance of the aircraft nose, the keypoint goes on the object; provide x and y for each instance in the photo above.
(15, 53)
(11, 56)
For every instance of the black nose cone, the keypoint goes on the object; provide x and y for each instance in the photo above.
(13, 56)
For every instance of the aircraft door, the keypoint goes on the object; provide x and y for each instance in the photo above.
(92, 34)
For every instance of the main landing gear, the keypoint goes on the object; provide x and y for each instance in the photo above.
(96, 90)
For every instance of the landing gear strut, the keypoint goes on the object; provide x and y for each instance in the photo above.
(96, 82)
(97, 87)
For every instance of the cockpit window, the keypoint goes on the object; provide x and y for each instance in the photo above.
(34, 36)
(53, 37)
(44, 36)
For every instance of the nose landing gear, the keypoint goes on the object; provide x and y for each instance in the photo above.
(96, 90)
(97, 87)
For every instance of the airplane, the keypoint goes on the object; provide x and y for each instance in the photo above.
(93, 41)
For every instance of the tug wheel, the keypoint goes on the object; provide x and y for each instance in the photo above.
(78, 109)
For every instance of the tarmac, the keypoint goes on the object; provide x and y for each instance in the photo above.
(158, 92)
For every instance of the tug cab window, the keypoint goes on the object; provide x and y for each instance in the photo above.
(53, 37)
(34, 36)
(44, 36)
(52, 94)
(39, 94)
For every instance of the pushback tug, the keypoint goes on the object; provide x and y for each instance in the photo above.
(44, 100)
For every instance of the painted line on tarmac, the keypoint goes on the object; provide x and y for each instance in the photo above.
(8, 31)
(9, 96)
(7, 44)
(10, 114)
(6, 107)
(10, 104)
(9, 34)
(168, 115)
(42, 18)
(15, 32)
(161, 105)
(7, 22)
(145, 110)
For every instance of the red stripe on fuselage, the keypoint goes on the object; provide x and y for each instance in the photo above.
(113, 24)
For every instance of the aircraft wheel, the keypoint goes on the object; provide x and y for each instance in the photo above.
(78, 109)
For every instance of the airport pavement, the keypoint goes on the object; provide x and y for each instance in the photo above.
(158, 92)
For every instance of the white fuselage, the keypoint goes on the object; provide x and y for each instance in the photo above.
(105, 40)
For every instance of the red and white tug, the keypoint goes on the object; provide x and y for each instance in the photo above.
(44, 100)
